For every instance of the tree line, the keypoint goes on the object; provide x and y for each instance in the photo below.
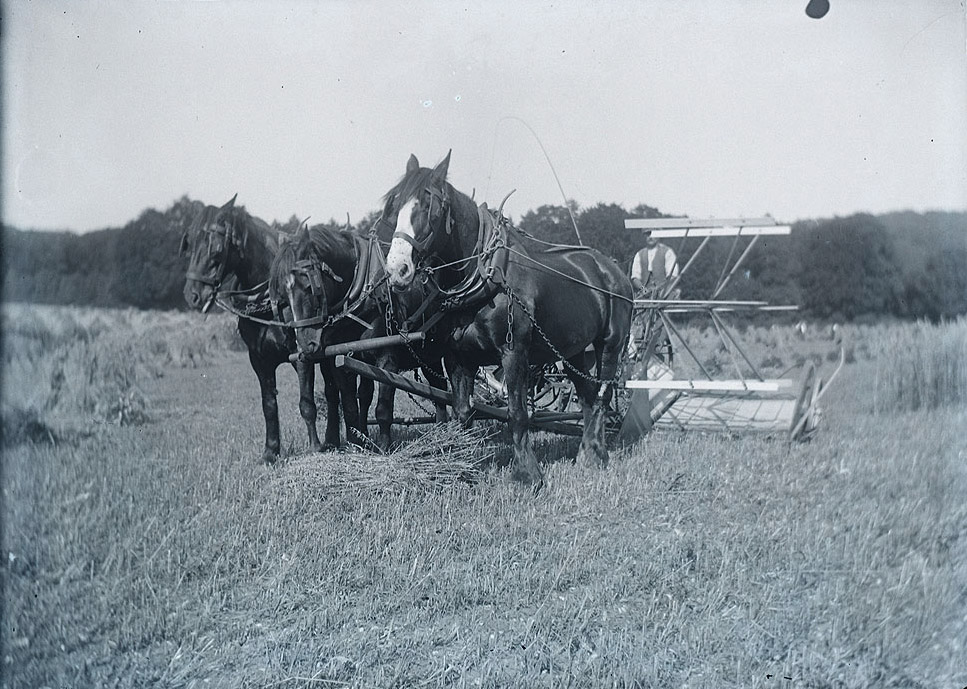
(901, 265)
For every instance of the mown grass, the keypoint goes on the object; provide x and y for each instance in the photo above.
(78, 367)
(161, 554)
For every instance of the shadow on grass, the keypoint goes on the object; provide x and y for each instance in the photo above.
(24, 426)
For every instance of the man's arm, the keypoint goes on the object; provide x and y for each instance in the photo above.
(636, 273)
(671, 264)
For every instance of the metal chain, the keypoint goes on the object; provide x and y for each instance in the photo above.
(510, 327)
(593, 379)
(390, 317)
(416, 401)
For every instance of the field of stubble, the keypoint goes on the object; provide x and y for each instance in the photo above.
(144, 546)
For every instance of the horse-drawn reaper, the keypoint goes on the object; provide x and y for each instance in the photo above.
(461, 283)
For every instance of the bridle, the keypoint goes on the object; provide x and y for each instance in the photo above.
(313, 271)
(231, 237)
(422, 246)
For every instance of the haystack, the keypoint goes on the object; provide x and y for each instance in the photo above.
(442, 455)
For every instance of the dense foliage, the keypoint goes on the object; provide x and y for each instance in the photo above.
(903, 265)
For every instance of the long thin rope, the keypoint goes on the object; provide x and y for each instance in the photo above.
(546, 157)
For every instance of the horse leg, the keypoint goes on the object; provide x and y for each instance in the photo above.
(593, 407)
(270, 407)
(307, 401)
(355, 431)
(332, 405)
(461, 380)
(385, 405)
(433, 373)
(525, 467)
(365, 396)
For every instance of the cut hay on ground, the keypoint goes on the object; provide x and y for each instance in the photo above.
(443, 455)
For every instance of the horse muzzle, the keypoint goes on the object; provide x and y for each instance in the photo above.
(199, 297)
(401, 278)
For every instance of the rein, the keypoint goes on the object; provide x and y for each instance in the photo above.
(568, 277)
(256, 298)
(491, 253)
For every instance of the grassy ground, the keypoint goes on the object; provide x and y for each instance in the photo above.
(158, 553)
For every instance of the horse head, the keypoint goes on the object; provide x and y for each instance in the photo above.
(302, 278)
(420, 204)
(215, 246)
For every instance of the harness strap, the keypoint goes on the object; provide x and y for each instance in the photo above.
(306, 322)
(485, 281)
(420, 246)
(428, 300)
(362, 275)
(203, 279)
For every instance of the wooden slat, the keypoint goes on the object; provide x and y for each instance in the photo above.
(692, 309)
(423, 390)
(677, 223)
(724, 231)
(774, 385)
(700, 303)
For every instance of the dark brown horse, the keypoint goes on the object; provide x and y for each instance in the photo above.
(229, 248)
(513, 301)
(334, 283)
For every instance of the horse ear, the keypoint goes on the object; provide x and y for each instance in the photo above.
(388, 207)
(231, 202)
(303, 230)
(183, 249)
(349, 225)
(440, 171)
(412, 165)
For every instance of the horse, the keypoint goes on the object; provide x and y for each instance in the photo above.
(511, 300)
(228, 246)
(333, 281)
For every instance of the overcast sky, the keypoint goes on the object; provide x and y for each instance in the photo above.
(709, 108)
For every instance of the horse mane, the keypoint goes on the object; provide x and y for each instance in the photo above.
(252, 226)
(410, 184)
(255, 229)
(321, 242)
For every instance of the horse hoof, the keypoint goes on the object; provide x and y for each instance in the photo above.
(329, 447)
(527, 478)
(269, 457)
(592, 459)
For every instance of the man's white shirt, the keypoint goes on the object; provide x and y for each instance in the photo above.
(671, 263)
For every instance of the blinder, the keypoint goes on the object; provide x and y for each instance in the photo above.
(231, 237)
(313, 271)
